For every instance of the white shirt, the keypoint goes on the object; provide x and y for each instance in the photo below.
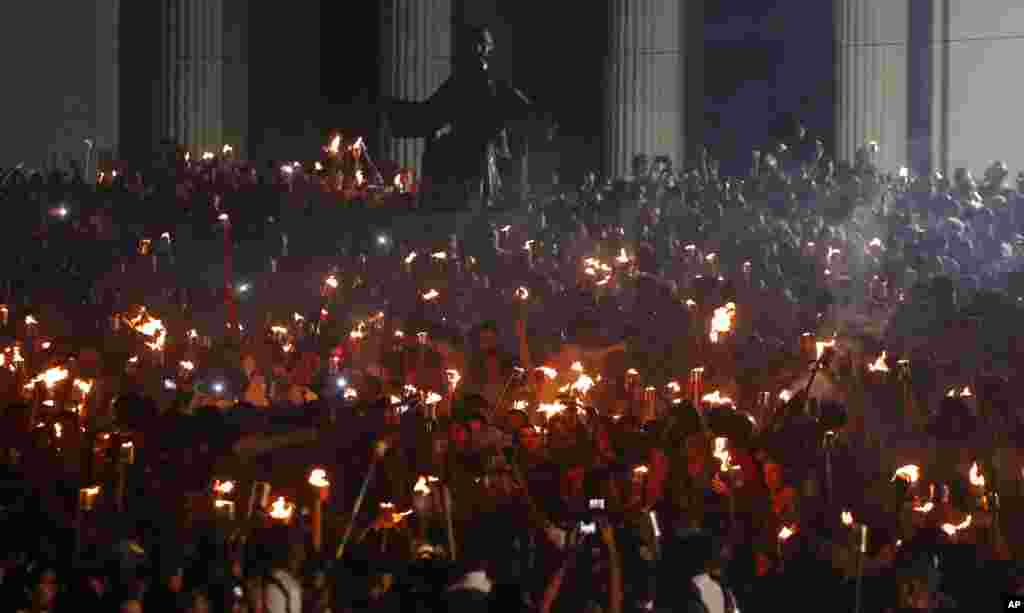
(711, 593)
(275, 599)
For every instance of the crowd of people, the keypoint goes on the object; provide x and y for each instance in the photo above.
(599, 398)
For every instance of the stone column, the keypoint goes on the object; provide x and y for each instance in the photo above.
(645, 89)
(108, 94)
(872, 54)
(192, 88)
(415, 59)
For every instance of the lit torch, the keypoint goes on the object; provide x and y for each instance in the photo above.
(722, 321)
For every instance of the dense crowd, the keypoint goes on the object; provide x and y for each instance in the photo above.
(598, 399)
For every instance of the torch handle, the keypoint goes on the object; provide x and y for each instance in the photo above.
(355, 509)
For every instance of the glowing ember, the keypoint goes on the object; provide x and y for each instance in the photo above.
(977, 479)
(847, 518)
(49, 377)
(334, 146)
(431, 295)
(318, 478)
(879, 365)
(133, 360)
(549, 372)
(716, 398)
(224, 487)
(909, 473)
(786, 533)
(522, 293)
(281, 509)
(722, 321)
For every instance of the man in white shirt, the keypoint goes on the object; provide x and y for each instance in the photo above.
(282, 589)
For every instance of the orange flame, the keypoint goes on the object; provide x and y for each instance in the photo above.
(522, 293)
(641, 470)
(925, 508)
(977, 479)
(431, 295)
(722, 453)
(716, 398)
(49, 377)
(549, 372)
(847, 518)
(909, 473)
(786, 533)
(281, 509)
(952, 529)
(722, 320)
(318, 478)
(552, 409)
(879, 365)
(224, 487)
(150, 327)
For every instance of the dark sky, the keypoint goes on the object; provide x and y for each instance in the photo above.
(764, 58)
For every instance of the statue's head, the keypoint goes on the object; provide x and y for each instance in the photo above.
(476, 45)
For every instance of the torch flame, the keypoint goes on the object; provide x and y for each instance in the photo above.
(879, 365)
(318, 478)
(549, 372)
(187, 365)
(785, 533)
(722, 453)
(716, 398)
(550, 410)
(150, 327)
(847, 518)
(966, 393)
(331, 281)
(722, 320)
(925, 508)
(281, 509)
(431, 295)
(977, 479)
(909, 473)
(335, 145)
(674, 387)
(522, 293)
(952, 529)
(83, 386)
(439, 255)
(785, 395)
(49, 377)
(583, 384)
(227, 149)
(641, 470)
(622, 257)
(633, 372)
(224, 487)
(409, 258)
(821, 346)
(433, 398)
(421, 487)
(576, 367)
